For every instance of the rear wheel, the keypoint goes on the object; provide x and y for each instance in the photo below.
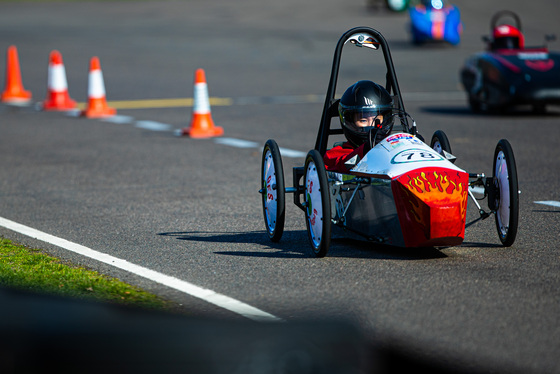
(539, 108)
(475, 105)
(506, 200)
(317, 204)
(273, 191)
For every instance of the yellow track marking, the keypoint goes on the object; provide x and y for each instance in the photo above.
(160, 103)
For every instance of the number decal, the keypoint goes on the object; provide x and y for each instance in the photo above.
(415, 155)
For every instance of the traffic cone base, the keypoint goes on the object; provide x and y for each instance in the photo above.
(97, 104)
(97, 107)
(17, 97)
(14, 92)
(202, 125)
(59, 101)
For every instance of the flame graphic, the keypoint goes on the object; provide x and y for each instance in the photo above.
(433, 203)
(434, 185)
(434, 182)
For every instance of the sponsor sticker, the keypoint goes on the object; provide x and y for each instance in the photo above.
(395, 137)
(398, 140)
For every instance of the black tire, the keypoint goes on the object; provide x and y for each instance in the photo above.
(317, 203)
(506, 202)
(475, 105)
(539, 108)
(440, 143)
(273, 190)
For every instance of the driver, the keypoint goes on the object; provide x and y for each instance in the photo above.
(366, 115)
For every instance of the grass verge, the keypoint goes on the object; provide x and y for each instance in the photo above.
(32, 270)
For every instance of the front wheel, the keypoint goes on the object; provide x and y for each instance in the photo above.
(506, 201)
(440, 143)
(273, 191)
(317, 204)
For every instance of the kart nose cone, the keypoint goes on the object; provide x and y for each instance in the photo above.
(432, 206)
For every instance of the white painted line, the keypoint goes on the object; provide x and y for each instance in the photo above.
(119, 119)
(549, 202)
(232, 142)
(239, 143)
(291, 153)
(207, 295)
(153, 126)
(236, 143)
(72, 112)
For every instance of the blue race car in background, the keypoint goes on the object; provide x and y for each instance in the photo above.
(434, 20)
(509, 73)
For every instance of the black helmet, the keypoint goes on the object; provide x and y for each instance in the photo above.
(367, 99)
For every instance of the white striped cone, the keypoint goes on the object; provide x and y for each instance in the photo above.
(97, 103)
(202, 125)
(57, 91)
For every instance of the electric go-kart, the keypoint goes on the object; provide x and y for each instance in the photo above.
(508, 73)
(434, 21)
(403, 192)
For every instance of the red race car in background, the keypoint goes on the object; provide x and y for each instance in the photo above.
(509, 73)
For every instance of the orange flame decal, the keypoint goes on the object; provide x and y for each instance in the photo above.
(433, 205)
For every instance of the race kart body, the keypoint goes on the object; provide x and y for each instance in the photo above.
(435, 21)
(506, 76)
(402, 192)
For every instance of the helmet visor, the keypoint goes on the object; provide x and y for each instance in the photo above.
(363, 120)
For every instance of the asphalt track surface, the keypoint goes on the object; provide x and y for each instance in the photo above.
(189, 208)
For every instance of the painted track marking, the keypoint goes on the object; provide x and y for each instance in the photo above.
(263, 100)
(205, 294)
(225, 101)
(549, 202)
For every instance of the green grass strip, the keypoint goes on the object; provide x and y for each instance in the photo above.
(32, 270)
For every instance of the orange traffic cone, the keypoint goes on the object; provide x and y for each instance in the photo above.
(202, 125)
(14, 92)
(97, 103)
(57, 90)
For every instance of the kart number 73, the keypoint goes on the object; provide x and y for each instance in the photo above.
(415, 155)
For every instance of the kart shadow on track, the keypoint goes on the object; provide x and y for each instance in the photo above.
(480, 245)
(218, 237)
(545, 211)
(345, 247)
(353, 248)
(512, 112)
